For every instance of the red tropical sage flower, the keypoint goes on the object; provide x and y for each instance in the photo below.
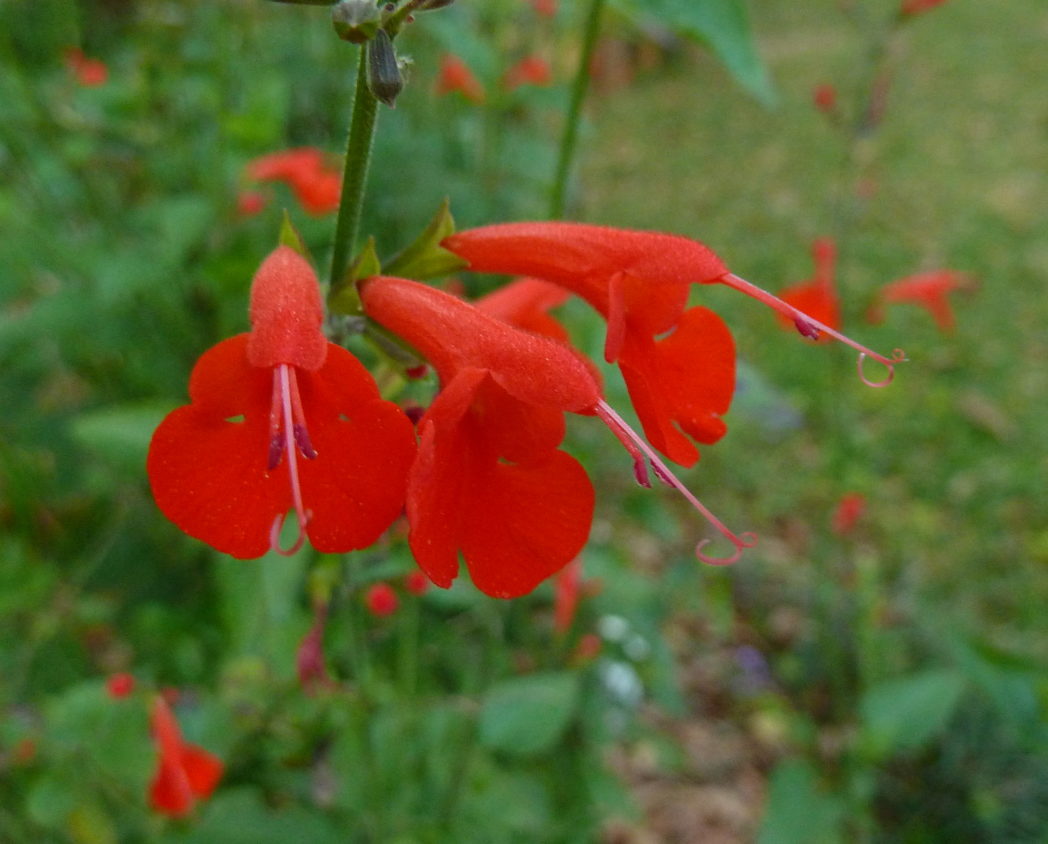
(282, 419)
(639, 281)
(91, 73)
(316, 185)
(490, 479)
(185, 773)
(530, 70)
(817, 297)
(909, 8)
(928, 290)
(455, 76)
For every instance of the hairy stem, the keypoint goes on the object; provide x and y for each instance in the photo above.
(354, 176)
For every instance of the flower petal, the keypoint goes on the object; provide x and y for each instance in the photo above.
(356, 485)
(524, 523)
(207, 472)
(687, 378)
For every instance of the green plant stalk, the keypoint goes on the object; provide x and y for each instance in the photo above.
(570, 137)
(355, 173)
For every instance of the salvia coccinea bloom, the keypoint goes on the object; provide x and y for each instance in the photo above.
(817, 297)
(185, 773)
(929, 290)
(490, 480)
(280, 419)
(678, 362)
(316, 185)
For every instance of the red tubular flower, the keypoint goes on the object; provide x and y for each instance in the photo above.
(825, 98)
(525, 303)
(916, 7)
(316, 186)
(849, 510)
(490, 480)
(545, 8)
(566, 595)
(928, 290)
(185, 773)
(120, 685)
(381, 600)
(640, 282)
(91, 73)
(530, 70)
(454, 75)
(281, 418)
(816, 298)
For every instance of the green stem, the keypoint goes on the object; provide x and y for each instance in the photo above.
(355, 175)
(569, 140)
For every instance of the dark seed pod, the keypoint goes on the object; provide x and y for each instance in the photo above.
(384, 79)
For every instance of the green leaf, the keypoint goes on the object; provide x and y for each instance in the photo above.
(905, 713)
(240, 816)
(721, 24)
(425, 258)
(120, 433)
(343, 297)
(289, 236)
(798, 810)
(526, 716)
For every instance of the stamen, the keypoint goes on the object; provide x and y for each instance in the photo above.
(806, 326)
(640, 465)
(636, 446)
(285, 384)
(276, 440)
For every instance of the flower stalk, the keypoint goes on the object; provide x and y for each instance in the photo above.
(354, 177)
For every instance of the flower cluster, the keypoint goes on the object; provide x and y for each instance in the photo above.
(282, 419)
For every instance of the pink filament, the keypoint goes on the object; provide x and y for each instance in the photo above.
(637, 447)
(812, 327)
(288, 426)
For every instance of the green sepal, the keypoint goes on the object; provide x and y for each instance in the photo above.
(343, 297)
(425, 257)
(289, 236)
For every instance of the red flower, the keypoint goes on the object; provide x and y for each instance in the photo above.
(490, 479)
(849, 510)
(120, 685)
(454, 76)
(525, 303)
(381, 600)
(816, 298)
(928, 290)
(250, 202)
(530, 70)
(825, 98)
(185, 773)
(416, 583)
(316, 186)
(916, 7)
(281, 419)
(545, 8)
(566, 595)
(640, 282)
(91, 73)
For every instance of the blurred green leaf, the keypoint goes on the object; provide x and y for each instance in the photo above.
(526, 716)
(799, 811)
(120, 433)
(904, 713)
(240, 816)
(723, 25)
(425, 257)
